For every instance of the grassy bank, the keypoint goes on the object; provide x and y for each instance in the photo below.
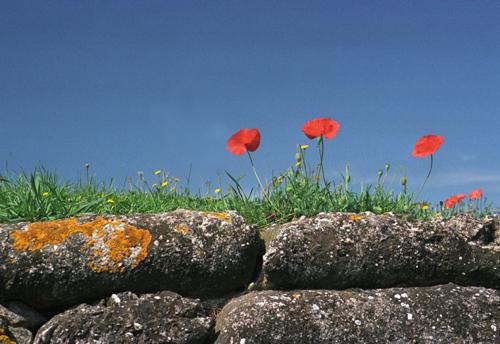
(41, 195)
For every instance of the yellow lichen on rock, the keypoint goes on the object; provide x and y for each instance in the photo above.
(182, 229)
(4, 339)
(356, 218)
(39, 234)
(223, 216)
(112, 245)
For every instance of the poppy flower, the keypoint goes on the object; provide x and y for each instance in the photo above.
(450, 202)
(427, 145)
(244, 140)
(325, 127)
(454, 199)
(476, 194)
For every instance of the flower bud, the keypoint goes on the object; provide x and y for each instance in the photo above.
(404, 181)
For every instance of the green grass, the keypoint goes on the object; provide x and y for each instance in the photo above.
(298, 191)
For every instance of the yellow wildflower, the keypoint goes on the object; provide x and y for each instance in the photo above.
(165, 183)
(157, 172)
(110, 200)
(176, 179)
(424, 206)
(45, 194)
(298, 163)
(277, 180)
(218, 190)
(172, 188)
(304, 146)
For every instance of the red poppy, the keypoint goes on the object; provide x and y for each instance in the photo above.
(243, 140)
(454, 199)
(325, 127)
(427, 145)
(450, 202)
(476, 194)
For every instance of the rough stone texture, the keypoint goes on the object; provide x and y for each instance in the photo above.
(10, 334)
(424, 315)
(55, 264)
(339, 250)
(163, 317)
(20, 315)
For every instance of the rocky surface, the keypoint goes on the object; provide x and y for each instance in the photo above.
(163, 278)
(9, 332)
(20, 315)
(339, 250)
(439, 314)
(60, 263)
(163, 317)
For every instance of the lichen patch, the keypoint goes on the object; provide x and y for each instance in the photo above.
(356, 217)
(112, 245)
(182, 229)
(223, 216)
(4, 339)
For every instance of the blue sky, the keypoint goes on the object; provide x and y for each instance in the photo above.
(133, 86)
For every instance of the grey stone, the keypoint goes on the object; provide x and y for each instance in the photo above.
(424, 315)
(13, 335)
(163, 317)
(20, 315)
(56, 264)
(340, 250)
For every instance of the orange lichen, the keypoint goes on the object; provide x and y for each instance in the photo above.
(4, 339)
(111, 244)
(182, 229)
(223, 216)
(40, 234)
(356, 218)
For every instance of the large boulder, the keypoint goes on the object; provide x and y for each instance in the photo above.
(439, 314)
(340, 250)
(163, 317)
(50, 265)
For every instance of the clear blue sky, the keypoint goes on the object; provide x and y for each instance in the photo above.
(133, 86)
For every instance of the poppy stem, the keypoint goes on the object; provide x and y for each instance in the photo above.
(264, 192)
(426, 178)
(321, 147)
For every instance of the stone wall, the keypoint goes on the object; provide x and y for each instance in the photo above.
(202, 277)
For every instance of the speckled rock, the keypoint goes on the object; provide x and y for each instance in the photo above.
(10, 334)
(339, 250)
(424, 315)
(18, 314)
(60, 263)
(163, 317)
